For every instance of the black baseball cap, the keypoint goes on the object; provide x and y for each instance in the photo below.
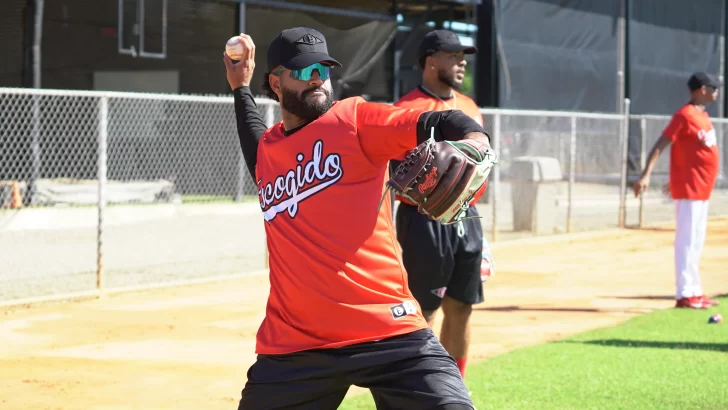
(701, 79)
(444, 40)
(297, 48)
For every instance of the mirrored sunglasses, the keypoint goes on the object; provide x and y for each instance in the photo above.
(306, 73)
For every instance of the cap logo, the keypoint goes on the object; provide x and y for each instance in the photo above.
(309, 39)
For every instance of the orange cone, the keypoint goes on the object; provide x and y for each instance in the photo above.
(16, 200)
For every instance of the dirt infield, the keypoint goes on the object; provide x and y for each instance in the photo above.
(190, 347)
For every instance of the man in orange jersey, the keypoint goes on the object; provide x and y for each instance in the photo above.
(339, 312)
(694, 162)
(444, 263)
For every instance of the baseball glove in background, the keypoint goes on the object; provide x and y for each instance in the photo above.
(442, 177)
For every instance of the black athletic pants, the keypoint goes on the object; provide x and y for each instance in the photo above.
(441, 259)
(411, 371)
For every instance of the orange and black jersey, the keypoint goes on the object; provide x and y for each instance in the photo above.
(336, 273)
(422, 99)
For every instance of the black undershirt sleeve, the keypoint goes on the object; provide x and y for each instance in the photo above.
(451, 125)
(250, 126)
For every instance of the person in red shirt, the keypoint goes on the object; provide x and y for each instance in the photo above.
(444, 262)
(339, 312)
(694, 162)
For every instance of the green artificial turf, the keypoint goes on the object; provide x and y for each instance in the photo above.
(670, 359)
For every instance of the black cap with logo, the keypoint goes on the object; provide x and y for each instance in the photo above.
(297, 48)
(701, 79)
(444, 40)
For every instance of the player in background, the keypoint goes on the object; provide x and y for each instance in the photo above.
(445, 263)
(339, 312)
(694, 162)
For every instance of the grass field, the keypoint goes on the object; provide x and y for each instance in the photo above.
(669, 359)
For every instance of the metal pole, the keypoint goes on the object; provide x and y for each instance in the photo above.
(35, 152)
(35, 137)
(623, 179)
(269, 122)
(164, 29)
(270, 115)
(241, 16)
(141, 10)
(37, 42)
(721, 159)
(722, 150)
(496, 174)
(240, 190)
(721, 56)
(101, 171)
(721, 100)
(572, 173)
(643, 162)
(621, 53)
(397, 61)
(239, 194)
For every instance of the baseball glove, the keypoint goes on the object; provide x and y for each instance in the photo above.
(442, 177)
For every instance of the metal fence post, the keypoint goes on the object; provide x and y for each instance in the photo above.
(35, 175)
(496, 173)
(240, 191)
(625, 153)
(270, 114)
(269, 122)
(101, 173)
(32, 188)
(572, 173)
(643, 162)
(722, 168)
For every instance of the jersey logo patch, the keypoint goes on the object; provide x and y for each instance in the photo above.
(439, 292)
(402, 310)
(299, 183)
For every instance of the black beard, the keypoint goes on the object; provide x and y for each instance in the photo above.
(448, 79)
(304, 109)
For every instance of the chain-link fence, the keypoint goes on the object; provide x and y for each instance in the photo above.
(48, 156)
(128, 189)
(557, 172)
(576, 172)
(119, 190)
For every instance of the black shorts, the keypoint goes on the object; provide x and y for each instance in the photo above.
(411, 371)
(441, 259)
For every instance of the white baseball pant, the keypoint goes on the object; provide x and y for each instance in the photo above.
(691, 225)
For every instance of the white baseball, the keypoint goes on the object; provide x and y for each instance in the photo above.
(234, 49)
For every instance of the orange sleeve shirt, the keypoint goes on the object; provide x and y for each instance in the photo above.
(416, 99)
(694, 157)
(336, 274)
(419, 100)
